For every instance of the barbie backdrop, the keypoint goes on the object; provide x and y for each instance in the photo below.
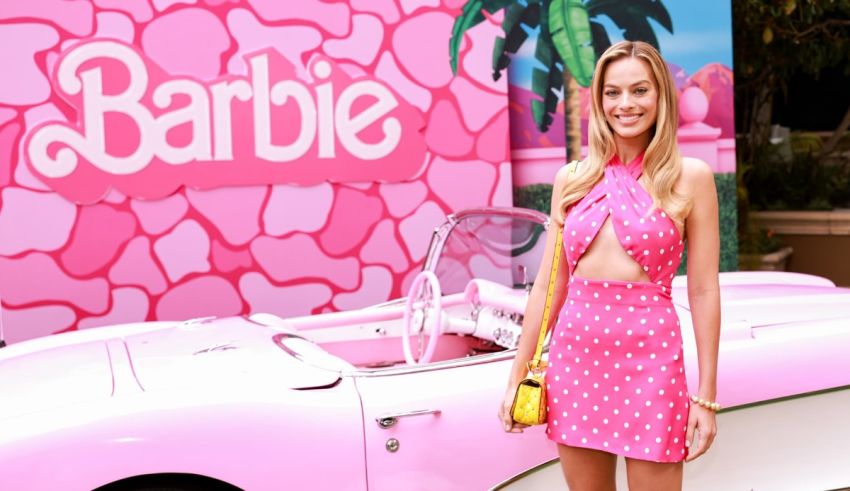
(168, 159)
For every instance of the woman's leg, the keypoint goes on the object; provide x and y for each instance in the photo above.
(586, 469)
(661, 476)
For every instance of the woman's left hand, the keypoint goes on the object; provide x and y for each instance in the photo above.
(704, 422)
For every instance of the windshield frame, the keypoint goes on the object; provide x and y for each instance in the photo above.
(441, 233)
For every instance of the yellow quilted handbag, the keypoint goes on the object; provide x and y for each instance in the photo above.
(529, 406)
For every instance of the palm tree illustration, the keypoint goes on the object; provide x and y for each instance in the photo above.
(570, 40)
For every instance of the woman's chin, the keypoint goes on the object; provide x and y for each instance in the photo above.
(630, 133)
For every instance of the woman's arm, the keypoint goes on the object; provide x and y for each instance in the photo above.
(535, 305)
(703, 232)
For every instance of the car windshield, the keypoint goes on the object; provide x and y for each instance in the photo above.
(503, 249)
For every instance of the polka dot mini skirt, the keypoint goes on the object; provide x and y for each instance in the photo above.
(616, 377)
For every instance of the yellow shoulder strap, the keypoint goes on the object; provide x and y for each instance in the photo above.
(535, 363)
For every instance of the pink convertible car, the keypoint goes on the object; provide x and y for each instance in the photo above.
(404, 395)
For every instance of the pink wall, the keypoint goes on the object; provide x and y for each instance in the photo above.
(221, 249)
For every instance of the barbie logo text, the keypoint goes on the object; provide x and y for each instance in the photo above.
(146, 133)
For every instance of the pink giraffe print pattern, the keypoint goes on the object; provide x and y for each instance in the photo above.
(239, 250)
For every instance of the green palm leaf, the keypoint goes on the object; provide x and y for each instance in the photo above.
(569, 26)
(633, 17)
(469, 18)
(546, 84)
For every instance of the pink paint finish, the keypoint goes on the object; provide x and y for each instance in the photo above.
(136, 266)
(299, 257)
(36, 276)
(353, 214)
(200, 296)
(100, 232)
(189, 42)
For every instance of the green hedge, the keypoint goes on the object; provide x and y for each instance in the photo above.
(539, 197)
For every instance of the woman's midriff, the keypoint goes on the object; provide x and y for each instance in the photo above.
(605, 259)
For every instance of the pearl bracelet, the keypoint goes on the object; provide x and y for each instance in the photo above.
(706, 404)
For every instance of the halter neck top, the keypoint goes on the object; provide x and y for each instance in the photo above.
(650, 238)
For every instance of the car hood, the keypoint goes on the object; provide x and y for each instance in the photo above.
(217, 354)
(58, 376)
(229, 352)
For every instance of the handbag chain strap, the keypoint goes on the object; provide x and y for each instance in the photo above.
(537, 366)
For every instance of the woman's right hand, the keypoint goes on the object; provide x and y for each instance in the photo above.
(508, 424)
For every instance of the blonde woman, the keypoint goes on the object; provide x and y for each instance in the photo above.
(616, 382)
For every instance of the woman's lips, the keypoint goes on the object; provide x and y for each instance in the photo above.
(628, 118)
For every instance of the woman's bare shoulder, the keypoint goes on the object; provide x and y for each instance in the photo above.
(695, 174)
(564, 175)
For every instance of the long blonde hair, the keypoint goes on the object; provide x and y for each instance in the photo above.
(662, 162)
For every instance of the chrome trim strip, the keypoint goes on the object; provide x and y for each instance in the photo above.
(452, 220)
(388, 420)
(440, 365)
(523, 474)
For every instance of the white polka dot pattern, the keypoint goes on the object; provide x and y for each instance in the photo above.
(628, 382)
(648, 235)
(625, 392)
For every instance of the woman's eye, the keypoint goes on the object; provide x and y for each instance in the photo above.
(611, 93)
(641, 90)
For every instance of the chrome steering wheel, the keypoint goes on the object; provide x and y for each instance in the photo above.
(423, 307)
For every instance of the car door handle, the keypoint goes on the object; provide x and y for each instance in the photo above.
(388, 419)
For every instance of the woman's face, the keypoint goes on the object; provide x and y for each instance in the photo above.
(630, 98)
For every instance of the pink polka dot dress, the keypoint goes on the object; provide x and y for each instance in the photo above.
(616, 377)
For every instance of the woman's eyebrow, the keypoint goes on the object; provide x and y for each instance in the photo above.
(632, 85)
